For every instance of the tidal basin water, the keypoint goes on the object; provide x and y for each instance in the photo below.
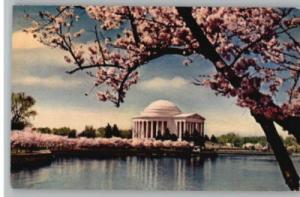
(259, 173)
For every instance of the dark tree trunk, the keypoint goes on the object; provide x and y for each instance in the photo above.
(292, 125)
(289, 123)
(286, 165)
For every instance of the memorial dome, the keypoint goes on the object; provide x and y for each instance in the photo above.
(161, 108)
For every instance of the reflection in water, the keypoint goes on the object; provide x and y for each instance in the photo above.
(26, 176)
(142, 173)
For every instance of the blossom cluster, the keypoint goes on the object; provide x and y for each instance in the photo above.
(29, 139)
(257, 45)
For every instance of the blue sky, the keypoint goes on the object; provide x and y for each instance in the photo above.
(60, 101)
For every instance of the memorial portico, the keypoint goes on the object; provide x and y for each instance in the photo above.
(161, 115)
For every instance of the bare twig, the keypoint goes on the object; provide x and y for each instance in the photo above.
(92, 66)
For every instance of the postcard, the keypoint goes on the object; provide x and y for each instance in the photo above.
(155, 98)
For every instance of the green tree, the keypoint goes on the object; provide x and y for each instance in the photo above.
(126, 133)
(174, 137)
(290, 141)
(63, 131)
(206, 138)
(159, 136)
(187, 136)
(88, 132)
(238, 141)
(199, 141)
(228, 138)
(115, 131)
(255, 139)
(100, 132)
(108, 131)
(214, 139)
(21, 110)
(72, 134)
(167, 135)
(45, 130)
(196, 138)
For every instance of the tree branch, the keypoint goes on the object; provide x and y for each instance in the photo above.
(289, 123)
(245, 48)
(92, 66)
(133, 27)
(99, 44)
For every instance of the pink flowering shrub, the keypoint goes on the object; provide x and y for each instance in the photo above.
(29, 139)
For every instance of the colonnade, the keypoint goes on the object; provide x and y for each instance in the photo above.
(150, 128)
(183, 126)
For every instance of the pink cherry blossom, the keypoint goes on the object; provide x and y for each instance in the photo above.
(256, 45)
(29, 139)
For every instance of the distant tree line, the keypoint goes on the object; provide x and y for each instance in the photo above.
(291, 144)
(238, 141)
(194, 137)
(89, 132)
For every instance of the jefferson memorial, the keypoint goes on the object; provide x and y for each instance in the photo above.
(163, 114)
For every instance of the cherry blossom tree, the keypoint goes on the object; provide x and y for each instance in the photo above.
(255, 53)
(30, 140)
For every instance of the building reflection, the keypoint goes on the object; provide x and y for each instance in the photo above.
(151, 173)
(140, 173)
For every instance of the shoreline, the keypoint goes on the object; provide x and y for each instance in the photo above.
(36, 159)
(31, 160)
(244, 152)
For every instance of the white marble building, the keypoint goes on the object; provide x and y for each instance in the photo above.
(162, 114)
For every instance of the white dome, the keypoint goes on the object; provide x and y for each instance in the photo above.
(161, 108)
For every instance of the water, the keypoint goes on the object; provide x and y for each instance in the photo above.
(259, 173)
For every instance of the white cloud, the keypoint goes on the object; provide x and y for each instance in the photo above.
(23, 40)
(27, 52)
(38, 57)
(158, 83)
(49, 82)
